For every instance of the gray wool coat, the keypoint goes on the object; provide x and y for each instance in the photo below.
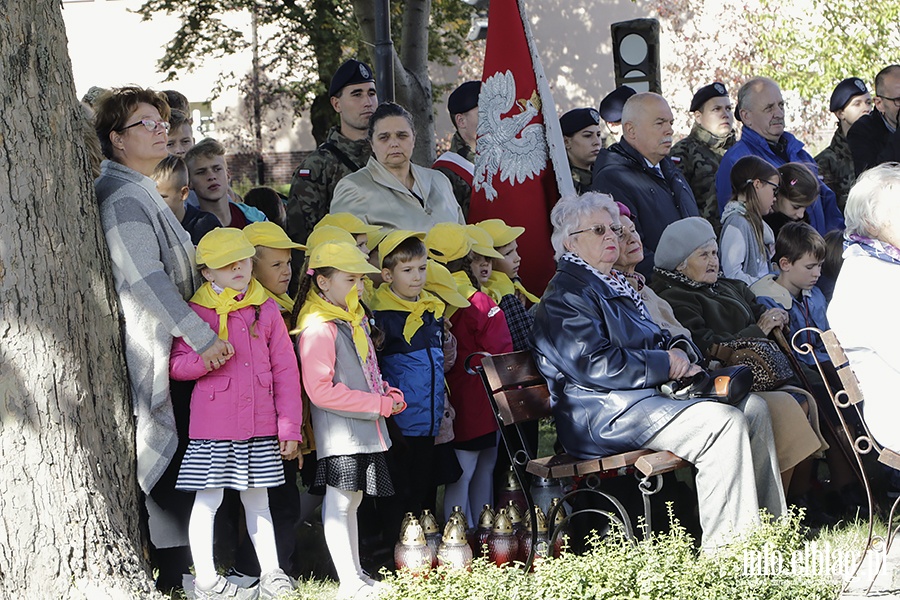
(154, 272)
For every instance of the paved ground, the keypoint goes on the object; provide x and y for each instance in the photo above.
(887, 583)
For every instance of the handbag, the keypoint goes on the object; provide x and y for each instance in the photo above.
(728, 385)
(770, 366)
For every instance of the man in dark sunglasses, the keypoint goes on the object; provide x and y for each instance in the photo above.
(874, 138)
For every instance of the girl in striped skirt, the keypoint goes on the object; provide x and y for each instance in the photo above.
(246, 411)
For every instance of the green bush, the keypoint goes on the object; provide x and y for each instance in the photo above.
(666, 567)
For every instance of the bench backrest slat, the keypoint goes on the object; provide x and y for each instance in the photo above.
(842, 366)
(519, 389)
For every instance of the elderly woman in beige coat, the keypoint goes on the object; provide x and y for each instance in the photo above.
(390, 191)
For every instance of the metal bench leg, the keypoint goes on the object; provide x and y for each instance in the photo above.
(648, 486)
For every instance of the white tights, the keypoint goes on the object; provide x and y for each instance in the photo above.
(259, 528)
(474, 488)
(342, 535)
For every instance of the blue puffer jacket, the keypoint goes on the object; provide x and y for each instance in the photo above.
(417, 368)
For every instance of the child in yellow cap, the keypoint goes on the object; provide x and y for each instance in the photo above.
(412, 359)
(350, 400)
(272, 269)
(245, 411)
(504, 286)
(480, 327)
(352, 225)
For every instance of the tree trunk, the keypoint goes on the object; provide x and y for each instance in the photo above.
(69, 524)
(412, 82)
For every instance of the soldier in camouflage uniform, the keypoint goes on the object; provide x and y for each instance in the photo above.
(582, 135)
(698, 155)
(345, 150)
(849, 101)
(458, 164)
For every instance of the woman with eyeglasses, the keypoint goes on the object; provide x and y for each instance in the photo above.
(604, 359)
(747, 243)
(153, 267)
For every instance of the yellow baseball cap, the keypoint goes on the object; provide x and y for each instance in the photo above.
(328, 233)
(394, 239)
(223, 246)
(347, 222)
(447, 242)
(270, 235)
(375, 238)
(440, 282)
(500, 232)
(342, 256)
(482, 242)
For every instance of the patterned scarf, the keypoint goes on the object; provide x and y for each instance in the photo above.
(317, 309)
(225, 301)
(874, 248)
(614, 280)
(385, 299)
(684, 279)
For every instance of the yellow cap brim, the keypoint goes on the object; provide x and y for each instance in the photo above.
(223, 259)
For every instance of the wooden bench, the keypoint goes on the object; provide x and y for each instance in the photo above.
(518, 395)
(848, 405)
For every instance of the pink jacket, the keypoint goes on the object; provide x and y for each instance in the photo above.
(257, 392)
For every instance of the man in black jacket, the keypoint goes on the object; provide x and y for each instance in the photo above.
(874, 139)
(638, 172)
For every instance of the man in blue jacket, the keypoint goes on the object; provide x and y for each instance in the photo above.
(760, 108)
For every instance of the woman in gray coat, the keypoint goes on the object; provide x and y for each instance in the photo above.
(390, 190)
(153, 268)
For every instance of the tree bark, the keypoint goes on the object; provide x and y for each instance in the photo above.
(411, 79)
(69, 525)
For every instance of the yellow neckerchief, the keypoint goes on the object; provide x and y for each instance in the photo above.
(283, 300)
(385, 299)
(492, 292)
(464, 284)
(505, 286)
(225, 303)
(368, 291)
(317, 310)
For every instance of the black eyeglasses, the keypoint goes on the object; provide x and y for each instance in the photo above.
(896, 100)
(149, 125)
(775, 187)
(600, 230)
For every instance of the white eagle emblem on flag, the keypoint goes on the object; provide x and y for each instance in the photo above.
(508, 146)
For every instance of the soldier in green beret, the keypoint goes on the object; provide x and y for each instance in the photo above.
(698, 154)
(345, 150)
(850, 100)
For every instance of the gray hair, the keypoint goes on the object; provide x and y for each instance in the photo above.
(571, 210)
(875, 188)
(636, 103)
(748, 89)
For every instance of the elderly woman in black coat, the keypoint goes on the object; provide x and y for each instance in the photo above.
(604, 359)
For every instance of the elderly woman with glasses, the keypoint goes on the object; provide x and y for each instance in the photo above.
(604, 359)
(154, 272)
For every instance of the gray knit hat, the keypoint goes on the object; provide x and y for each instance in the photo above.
(680, 239)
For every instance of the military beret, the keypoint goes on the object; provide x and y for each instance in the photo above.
(611, 106)
(845, 91)
(707, 92)
(349, 73)
(577, 119)
(464, 98)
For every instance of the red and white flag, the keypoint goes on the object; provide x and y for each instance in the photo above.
(521, 168)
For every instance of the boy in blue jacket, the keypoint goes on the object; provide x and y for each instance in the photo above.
(411, 359)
